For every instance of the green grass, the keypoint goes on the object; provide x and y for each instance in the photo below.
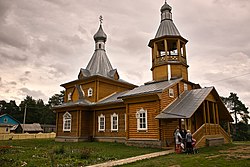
(44, 152)
(230, 155)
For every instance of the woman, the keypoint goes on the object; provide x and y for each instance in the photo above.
(189, 142)
(178, 140)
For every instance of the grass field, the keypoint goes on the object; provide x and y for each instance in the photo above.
(45, 152)
(236, 154)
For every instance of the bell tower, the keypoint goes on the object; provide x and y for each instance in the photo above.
(169, 59)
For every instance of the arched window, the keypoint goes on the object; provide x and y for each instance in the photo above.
(100, 46)
(142, 120)
(90, 92)
(67, 122)
(114, 122)
(101, 123)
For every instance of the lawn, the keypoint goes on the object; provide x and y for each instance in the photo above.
(236, 154)
(47, 152)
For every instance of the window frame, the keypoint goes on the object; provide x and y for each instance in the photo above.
(171, 92)
(185, 87)
(112, 122)
(90, 92)
(142, 120)
(99, 123)
(67, 122)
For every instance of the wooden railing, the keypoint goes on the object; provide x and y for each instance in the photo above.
(225, 134)
(210, 130)
(164, 59)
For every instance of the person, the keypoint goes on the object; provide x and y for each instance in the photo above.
(178, 140)
(183, 133)
(177, 127)
(189, 148)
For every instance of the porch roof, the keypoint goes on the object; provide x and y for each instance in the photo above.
(186, 105)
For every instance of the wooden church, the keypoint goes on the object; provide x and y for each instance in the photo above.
(99, 106)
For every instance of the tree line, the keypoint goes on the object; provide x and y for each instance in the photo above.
(36, 110)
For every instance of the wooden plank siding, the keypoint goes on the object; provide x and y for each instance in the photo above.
(74, 125)
(168, 127)
(121, 123)
(152, 131)
(165, 99)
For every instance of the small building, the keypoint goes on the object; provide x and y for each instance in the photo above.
(27, 128)
(6, 123)
(102, 107)
(48, 128)
(7, 119)
(5, 128)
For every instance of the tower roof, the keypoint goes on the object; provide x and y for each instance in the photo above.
(99, 63)
(100, 35)
(167, 26)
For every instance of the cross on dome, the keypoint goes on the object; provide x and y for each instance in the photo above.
(101, 19)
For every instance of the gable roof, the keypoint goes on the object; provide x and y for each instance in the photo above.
(13, 120)
(31, 127)
(186, 105)
(151, 88)
(189, 102)
(113, 98)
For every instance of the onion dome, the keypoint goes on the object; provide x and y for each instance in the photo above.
(166, 7)
(100, 35)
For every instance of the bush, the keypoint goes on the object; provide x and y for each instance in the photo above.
(59, 150)
(85, 153)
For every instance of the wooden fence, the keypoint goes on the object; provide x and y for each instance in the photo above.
(13, 136)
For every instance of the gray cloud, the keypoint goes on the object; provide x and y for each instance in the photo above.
(36, 94)
(47, 42)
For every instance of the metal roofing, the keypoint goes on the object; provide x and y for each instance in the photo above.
(100, 35)
(186, 105)
(167, 27)
(149, 88)
(31, 127)
(113, 98)
(81, 102)
(166, 7)
(99, 63)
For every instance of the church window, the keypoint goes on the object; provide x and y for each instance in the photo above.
(67, 122)
(141, 117)
(185, 86)
(90, 92)
(69, 96)
(171, 92)
(100, 46)
(114, 122)
(101, 123)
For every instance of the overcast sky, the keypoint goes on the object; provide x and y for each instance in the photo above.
(44, 43)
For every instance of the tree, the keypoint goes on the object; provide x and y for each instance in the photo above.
(57, 99)
(236, 107)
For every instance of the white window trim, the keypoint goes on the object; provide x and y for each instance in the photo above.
(141, 111)
(67, 117)
(90, 92)
(171, 92)
(112, 121)
(185, 86)
(99, 123)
